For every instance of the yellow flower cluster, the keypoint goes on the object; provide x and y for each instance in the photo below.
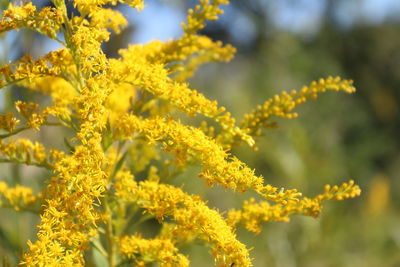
(52, 64)
(8, 122)
(18, 198)
(191, 143)
(122, 113)
(152, 250)
(189, 212)
(86, 6)
(253, 214)
(23, 151)
(48, 21)
(154, 78)
(282, 105)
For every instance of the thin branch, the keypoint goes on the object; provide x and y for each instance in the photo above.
(2, 136)
(37, 164)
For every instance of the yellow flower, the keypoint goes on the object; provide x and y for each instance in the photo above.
(189, 212)
(19, 197)
(150, 250)
(218, 166)
(8, 122)
(120, 111)
(47, 21)
(253, 214)
(282, 105)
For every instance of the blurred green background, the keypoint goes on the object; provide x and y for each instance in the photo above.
(282, 45)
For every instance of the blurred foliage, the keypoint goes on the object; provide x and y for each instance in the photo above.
(337, 138)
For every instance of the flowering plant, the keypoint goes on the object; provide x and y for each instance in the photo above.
(114, 173)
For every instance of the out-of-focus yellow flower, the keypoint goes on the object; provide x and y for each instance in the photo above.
(19, 197)
(8, 122)
(378, 195)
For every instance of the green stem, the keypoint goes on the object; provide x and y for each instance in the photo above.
(96, 243)
(2, 136)
(37, 164)
(110, 236)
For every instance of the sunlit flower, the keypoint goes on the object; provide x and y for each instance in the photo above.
(123, 113)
